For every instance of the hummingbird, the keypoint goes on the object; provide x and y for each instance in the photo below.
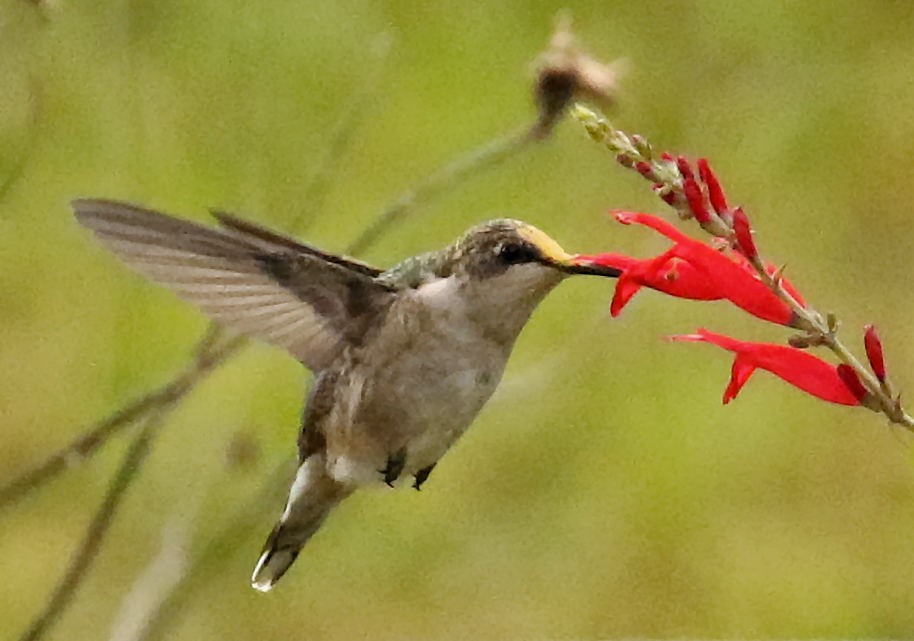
(403, 359)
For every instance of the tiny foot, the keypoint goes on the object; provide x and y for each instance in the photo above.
(422, 476)
(395, 464)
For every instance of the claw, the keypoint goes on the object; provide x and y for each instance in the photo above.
(422, 476)
(395, 464)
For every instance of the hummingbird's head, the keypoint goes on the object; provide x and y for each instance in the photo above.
(503, 268)
(518, 251)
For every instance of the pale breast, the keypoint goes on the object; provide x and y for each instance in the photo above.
(418, 384)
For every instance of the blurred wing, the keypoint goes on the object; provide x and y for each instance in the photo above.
(246, 278)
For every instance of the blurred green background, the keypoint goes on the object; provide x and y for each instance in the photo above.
(604, 492)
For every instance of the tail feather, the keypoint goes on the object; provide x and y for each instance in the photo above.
(312, 495)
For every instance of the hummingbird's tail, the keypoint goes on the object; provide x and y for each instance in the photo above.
(312, 495)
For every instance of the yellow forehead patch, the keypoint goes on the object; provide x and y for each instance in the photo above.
(550, 249)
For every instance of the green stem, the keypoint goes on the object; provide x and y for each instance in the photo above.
(488, 155)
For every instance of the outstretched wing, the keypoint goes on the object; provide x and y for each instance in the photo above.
(246, 277)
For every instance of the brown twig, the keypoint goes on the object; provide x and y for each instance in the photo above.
(211, 353)
(87, 443)
(488, 155)
(353, 114)
(271, 492)
(95, 533)
(31, 134)
(155, 583)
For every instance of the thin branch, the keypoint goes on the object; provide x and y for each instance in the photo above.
(98, 528)
(270, 492)
(204, 362)
(82, 447)
(89, 442)
(31, 136)
(488, 155)
(98, 434)
(154, 584)
(354, 112)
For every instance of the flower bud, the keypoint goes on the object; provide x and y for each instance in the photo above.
(874, 352)
(685, 170)
(644, 168)
(643, 146)
(665, 194)
(625, 160)
(744, 241)
(715, 191)
(696, 199)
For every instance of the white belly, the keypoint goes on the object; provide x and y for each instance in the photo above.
(420, 392)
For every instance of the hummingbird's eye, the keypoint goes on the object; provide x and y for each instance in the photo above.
(514, 253)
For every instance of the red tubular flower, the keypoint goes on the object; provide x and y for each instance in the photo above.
(731, 278)
(799, 368)
(715, 191)
(743, 231)
(874, 352)
(847, 374)
(663, 273)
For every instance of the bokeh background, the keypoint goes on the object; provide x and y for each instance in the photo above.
(604, 492)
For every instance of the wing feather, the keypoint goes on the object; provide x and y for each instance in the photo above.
(245, 277)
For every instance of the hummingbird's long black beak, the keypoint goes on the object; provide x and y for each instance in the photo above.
(588, 265)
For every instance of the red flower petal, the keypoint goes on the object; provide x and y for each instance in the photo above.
(740, 372)
(663, 273)
(799, 368)
(731, 278)
(626, 287)
(874, 352)
(847, 374)
(648, 220)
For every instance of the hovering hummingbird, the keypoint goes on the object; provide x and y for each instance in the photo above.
(404, 359)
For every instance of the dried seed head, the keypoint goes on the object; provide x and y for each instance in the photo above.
(564, 72)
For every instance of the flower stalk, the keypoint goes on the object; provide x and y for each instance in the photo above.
(699, 195)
